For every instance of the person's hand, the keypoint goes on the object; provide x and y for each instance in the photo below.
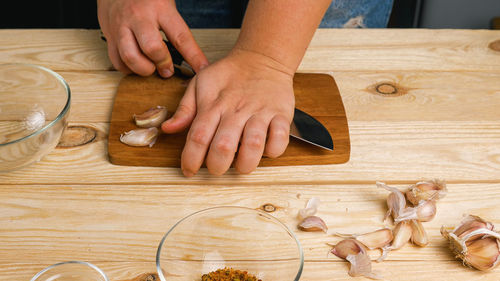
(135, 44)
(244, 103)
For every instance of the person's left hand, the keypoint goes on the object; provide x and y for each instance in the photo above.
(244, 103)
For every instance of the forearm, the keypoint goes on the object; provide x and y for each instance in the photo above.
(281, 29)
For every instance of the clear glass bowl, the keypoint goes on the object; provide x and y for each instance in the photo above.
(71, 271)
(34, 104)
(234, 237)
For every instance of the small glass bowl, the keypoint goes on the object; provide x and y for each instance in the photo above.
(229, 237)
(71, 271)
(34, 104)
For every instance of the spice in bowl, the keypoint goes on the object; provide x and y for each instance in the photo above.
(228, 274)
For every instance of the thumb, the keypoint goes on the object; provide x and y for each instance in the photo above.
(184, 113)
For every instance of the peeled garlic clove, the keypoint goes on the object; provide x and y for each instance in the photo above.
(418, 234)
(424, 211)
(361, 265)
(347, 247)
(151, 118)
(426, 190)
(313, 223)
(310, 209)
(140, 137)
(372, 240)
(396, 201)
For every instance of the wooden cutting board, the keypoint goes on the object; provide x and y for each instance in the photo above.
(316, 94)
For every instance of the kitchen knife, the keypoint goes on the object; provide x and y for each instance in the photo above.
(304, 127)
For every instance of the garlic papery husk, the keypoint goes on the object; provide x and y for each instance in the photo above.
(396, 201)
(151, 118)
(354, 252)
(313, 223)
(140, 137)
(418, 235)
(310, 209)
(424, 211)
(425, 190)
(402, 234)
(372, 240)
(482, 254)
(469, 224)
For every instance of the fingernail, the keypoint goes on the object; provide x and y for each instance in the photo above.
(203, 66)
(166, 72)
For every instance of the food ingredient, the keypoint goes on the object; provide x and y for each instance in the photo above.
(402, 234)
(425, 190)
(475, 242)
(418, 234)
(396, 201)
(228, 274)
(310, 209)
(424, 211)
(151, 118)
(140, 137)
(313, 223)
(372, 240)
(355, 253)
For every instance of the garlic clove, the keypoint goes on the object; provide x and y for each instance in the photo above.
(313, 223)
(140, 137)
(361, 265)
(469, 224)
(396, 201)
(310, 209)
(418, 234)
(483, 254)
(402, 234)
(151, 118)
(426, 190)
(347, 247)
(424, 211)
(372, 240)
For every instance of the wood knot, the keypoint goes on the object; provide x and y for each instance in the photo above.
(387, 89)
(268, 208)
(77, 136)
(495, 45)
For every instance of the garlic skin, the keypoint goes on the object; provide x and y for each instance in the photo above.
(151, 118)
(426, 190)
(424, 211)
(313, 224)
(372, 240)
(140, 137)
(396, 201)
(310, 209)
(418, 235)
(355, 253)
(476, 246)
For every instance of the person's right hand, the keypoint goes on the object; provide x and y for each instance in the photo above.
(133, 31)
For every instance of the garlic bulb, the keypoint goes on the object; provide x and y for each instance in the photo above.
(151, 118)
(475, 243)
(426, 190)
(140, 137)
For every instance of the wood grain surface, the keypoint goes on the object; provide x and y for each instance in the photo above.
(316, 94)
(420, 104)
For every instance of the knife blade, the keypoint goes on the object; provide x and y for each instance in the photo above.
(304, 127)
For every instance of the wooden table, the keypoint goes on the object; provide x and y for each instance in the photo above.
(444, 122)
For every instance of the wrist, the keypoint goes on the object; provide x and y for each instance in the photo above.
(257, 61)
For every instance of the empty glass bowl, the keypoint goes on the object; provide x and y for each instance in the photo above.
(71, 271)
(34, 104)
(229, 237)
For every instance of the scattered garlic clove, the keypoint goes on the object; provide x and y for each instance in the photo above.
(482, 253)
(313, 223)
(151, 118)
(424, 211)
(140, 137)
(361, 265)
(372, 240)
(310, 209)
(418, 234)
(426, 190)
(396, 201)
(348, 247)
(402, 234)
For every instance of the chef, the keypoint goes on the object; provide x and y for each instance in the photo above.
(243, 102)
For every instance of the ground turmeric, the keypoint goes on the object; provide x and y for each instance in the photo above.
(228, 274)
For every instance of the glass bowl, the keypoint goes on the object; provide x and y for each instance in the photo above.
(229, 237)
(71, 271)
(34, 104)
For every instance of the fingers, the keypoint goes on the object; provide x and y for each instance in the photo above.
(252, 145)
(185, 112)
(178, 33)
(278, 136)
(197, 142)
(131, 55)
(114, 56)
(151, 44)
